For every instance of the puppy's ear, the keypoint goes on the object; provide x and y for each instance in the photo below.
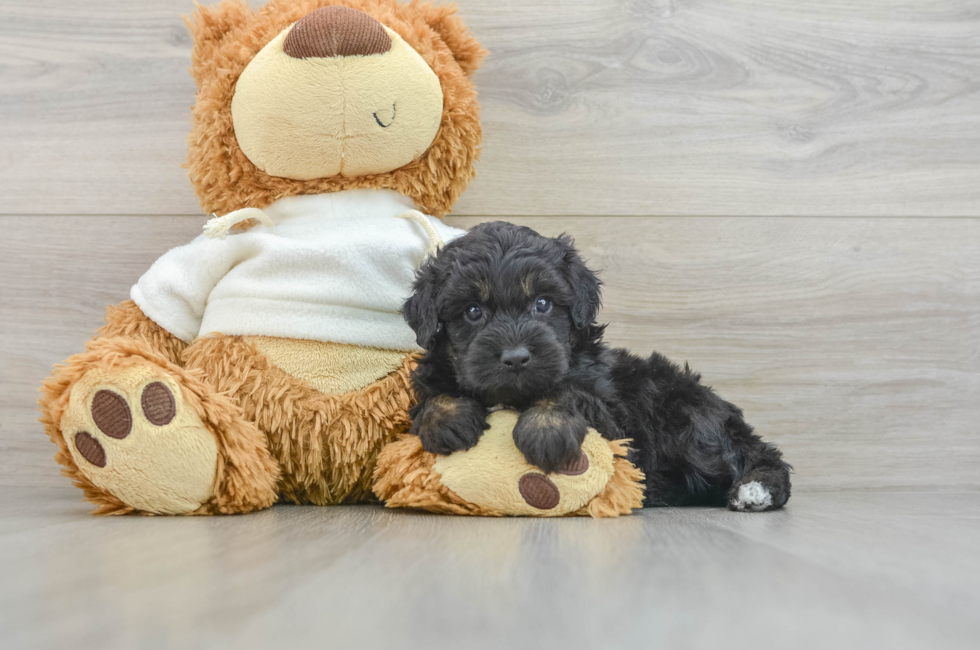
(584, 283)
(420, 310)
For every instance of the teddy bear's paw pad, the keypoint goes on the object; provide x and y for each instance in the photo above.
(111, 414)
(752, 497)
(539, 491)
(89, 448)
(577, 467)
(159, 405)
(132, 433)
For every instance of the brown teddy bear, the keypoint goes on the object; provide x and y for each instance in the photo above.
(267, 359)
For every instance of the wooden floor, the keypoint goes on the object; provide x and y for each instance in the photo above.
(840, 570)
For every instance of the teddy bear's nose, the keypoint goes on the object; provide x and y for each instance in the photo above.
(336, 31)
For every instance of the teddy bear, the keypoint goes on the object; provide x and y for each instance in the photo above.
(266, 361)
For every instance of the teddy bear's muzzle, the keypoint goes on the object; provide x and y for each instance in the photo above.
(336, 31)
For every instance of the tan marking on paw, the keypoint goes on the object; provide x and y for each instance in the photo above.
(445, 405)
(545, 415)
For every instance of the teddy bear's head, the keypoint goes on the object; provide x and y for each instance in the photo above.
(314, 96)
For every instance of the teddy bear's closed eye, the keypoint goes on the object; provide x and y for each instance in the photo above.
(385, 117)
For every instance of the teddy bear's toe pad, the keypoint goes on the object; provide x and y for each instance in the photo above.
(131, 433)
(579, 466)
(539, 491)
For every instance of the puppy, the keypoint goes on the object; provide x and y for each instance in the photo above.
(507, 317)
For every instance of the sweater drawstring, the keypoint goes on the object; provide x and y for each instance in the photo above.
(218, 227)
(435, 239)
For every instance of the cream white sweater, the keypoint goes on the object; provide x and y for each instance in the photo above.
(332, 267)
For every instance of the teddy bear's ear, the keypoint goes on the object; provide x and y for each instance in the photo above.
(465, 48)
(209, 26)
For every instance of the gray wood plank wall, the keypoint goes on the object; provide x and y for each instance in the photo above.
(712, 107)
(768, 187)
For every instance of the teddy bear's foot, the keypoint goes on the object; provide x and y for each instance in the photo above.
(133, 434)
(493, 478)
(144, 435)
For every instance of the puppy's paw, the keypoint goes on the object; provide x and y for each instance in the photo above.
(750, 497)
(447, 424)
(549, 437)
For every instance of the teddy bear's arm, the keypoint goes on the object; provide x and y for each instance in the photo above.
(127, 320)
(175, 290)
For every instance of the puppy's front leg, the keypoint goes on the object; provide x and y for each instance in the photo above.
(550, 435)
(447, 424)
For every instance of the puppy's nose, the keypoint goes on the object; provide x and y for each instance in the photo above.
(515, 358)
(336, 31)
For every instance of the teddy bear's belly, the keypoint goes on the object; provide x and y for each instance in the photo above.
(330, 368)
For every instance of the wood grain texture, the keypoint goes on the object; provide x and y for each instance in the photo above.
(842, 570)
(852, 343)
(57, 275)
(704, 107)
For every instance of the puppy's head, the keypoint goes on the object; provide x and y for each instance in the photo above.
(507, 309)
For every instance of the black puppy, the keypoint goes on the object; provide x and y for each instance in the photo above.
(507, 317)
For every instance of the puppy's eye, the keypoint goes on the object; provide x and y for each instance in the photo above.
(473, 313)
(542, 305)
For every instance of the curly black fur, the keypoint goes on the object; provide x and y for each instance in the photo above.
(508, 317)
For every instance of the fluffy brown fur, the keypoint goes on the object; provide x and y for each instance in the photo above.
(326, 445)
(128, 321)
(228, 36)
(406, 479)
(623, 492)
